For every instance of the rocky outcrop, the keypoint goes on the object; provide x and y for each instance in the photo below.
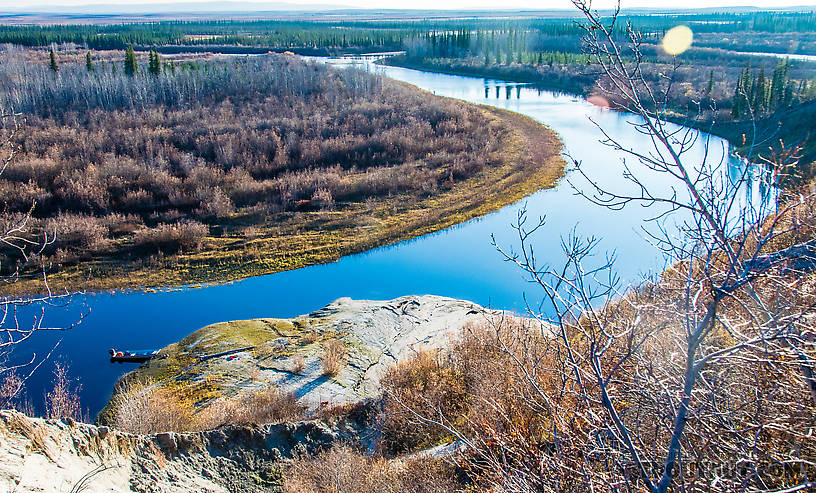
(376, 334)
(38, 455)
(379, 334)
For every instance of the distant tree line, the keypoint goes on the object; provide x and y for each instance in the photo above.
(272, 34)
(383, 34)
(755, 94)
(35, 90)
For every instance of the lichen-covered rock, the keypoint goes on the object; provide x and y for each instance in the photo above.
(39, 455)
(375, 334)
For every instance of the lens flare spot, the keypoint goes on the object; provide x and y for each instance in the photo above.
(598, 101)
(677, 40)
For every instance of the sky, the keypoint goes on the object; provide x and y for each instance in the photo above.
(430, 4)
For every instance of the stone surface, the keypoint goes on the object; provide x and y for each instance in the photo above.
(376, 334)
(40, 456)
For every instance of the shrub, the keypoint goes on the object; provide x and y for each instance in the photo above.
(77, 231)
(322, 197)
(63, 399)
(185, 236)
(229, 142)
(472, 387)
(11, 386)
(428, 385)
(309, 337)
(214, 203)
(141, 409)
(334, 353)
(254, 374)
(342, 469)
(267, 350)
(269, 405)
(298, 363)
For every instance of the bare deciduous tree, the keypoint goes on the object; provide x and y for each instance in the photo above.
(701, 379)
(15, 330)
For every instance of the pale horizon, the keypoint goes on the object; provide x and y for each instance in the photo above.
(247, 5)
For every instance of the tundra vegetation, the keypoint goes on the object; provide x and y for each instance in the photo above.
(698, 379)
(164, 173)
(544, 49)
(701, 378)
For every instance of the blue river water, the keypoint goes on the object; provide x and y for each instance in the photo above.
(459, 262)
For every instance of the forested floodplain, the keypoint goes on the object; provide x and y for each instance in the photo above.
(683, 359)
(722, 83)
(705, 87)
(189, 170)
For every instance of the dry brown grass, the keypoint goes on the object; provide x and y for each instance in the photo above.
(333, 357)
(268, 405)
(298, 364)
(63, 399)
(144, 409)
(309, 338)
(345, 470)
(36, 434)
(254, 373)
(265, 350)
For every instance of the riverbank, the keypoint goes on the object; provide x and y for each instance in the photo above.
(65, 455)
(767, 129)
(291, 240)
(366, 338)
(579, 87)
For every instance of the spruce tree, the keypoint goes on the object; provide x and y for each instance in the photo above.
(788, 97)
(89, 65)
(760, 92)
(154, 67)
(736, 105)
(748, 89)
(53, 62)
(778, 84)
(803, 90)
(131, 67)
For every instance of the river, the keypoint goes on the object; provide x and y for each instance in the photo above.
(458, 262)
(792, 56)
